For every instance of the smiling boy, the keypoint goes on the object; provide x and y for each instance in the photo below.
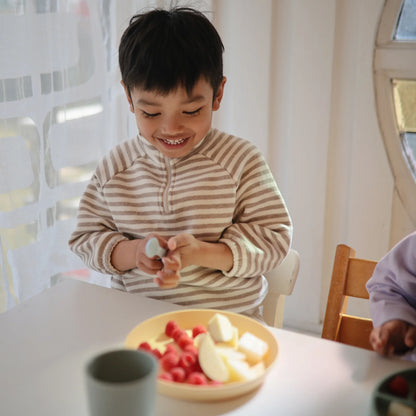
(207, 196)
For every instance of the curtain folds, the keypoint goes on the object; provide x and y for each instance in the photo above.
(56, 117)
(61, 109)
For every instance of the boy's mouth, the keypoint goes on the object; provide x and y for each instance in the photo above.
(174, 142)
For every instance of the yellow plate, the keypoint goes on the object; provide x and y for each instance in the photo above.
(153, 329)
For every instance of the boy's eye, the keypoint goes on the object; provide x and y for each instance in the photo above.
(150, 115)
(193, 113)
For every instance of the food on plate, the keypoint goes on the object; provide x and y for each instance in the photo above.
(399, 409)
(398, 386)
(208, 355)
(220, 328)
(211, 361)
(253, 347)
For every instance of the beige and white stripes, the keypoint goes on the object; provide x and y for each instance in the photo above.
(222, 191)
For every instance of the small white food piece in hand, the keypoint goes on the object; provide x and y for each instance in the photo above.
(210, 360)
(253, 347)
(153, 249)
(220, 328)
(399, 409)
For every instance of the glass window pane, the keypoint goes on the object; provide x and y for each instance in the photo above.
(406, 26)
(409, 148)
(404, 92)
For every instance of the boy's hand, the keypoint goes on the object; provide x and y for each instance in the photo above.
(143, 262)
(168, 277)
(186, 250)
(393, 337)
(186, 246)
(182, 249)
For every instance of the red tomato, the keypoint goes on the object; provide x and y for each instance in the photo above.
(144, 346)
(197, 378)
(192, 349)
(178, 374)
(177, 333)
(156, 353)
(165, 376)
(170, 327)
(184, 340)
(170, 348)
(399, 386)
(187, 360)
(199, 329)
(168, 361)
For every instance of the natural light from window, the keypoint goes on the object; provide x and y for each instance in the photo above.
(395, 89)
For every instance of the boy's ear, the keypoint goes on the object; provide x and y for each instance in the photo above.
(218, 96)
(128, 96)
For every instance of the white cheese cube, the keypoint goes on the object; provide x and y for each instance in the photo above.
(233, 342)
(239, 370)
(253, 347)
(220, 328)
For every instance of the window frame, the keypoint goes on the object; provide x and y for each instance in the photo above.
(394, 60)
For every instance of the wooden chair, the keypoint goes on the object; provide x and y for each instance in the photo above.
(281, 281)
(349, 276)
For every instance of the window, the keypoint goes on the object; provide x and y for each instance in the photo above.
(395, 89)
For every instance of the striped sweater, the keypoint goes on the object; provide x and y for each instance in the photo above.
(223, 191)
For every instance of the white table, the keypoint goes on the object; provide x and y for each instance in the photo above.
(45, 342)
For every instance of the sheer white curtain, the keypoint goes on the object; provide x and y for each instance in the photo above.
(61, 109)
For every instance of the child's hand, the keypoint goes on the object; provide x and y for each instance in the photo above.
(182, 249)
(185, 250)
(168, 277)
(143, 262)
(186, 246)
(393, 337)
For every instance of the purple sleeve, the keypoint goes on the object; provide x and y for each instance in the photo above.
(392, 287)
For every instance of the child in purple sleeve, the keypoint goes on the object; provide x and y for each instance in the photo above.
(392, 290)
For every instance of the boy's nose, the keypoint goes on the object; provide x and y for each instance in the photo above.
(172, 125)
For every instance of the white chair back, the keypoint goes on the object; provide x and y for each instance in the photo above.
(281, 281)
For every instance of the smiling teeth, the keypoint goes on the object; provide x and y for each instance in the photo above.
(179, 141)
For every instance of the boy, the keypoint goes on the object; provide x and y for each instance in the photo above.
(392, 290)
(208, 197)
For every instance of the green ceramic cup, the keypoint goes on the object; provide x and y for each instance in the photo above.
(122, 383)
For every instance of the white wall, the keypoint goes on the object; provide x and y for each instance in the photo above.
(300, 85)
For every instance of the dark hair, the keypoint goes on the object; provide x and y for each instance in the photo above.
(163, 49)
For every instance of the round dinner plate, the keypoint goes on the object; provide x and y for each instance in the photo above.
(153, 331)
(382, 396)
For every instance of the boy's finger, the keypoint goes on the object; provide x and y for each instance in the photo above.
(163, 285)
(168, 275)
(171, 262)
(172, 243)
(410, 337)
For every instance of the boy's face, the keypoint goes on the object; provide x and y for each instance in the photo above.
(175, 123)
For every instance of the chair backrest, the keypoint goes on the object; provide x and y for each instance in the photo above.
(349, 277)
(281, 282)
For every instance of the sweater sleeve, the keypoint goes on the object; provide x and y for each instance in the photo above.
(96, 234)
(261, 232)
(392, 288)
